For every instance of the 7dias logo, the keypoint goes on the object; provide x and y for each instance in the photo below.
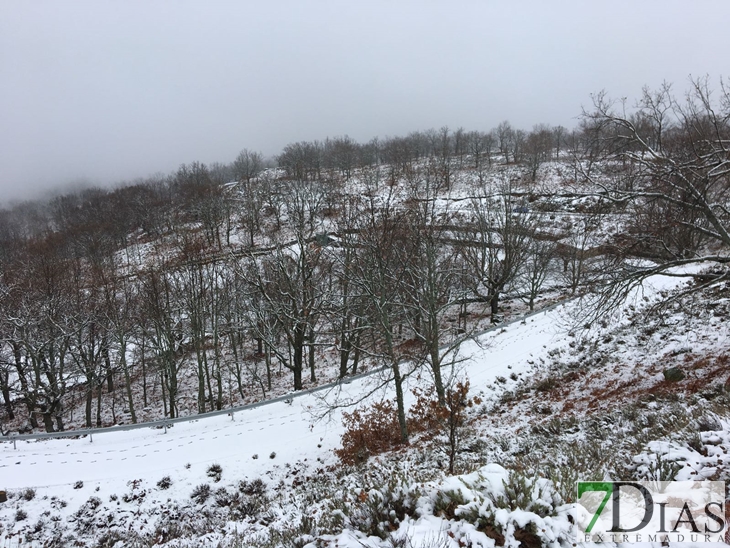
(650, 511)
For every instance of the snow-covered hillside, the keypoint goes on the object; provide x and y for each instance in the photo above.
(271, 469)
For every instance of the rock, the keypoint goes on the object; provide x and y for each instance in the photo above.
(3, 496)
(673, 374)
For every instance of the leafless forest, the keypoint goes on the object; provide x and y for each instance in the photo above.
(220, 284)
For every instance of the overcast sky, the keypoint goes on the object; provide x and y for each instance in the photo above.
(105, 91)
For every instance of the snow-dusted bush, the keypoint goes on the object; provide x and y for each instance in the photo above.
(378, 511)
(86, 516)
(253, 487)
(164, 483)
(201, 493)
(215, 471)
(224, 498)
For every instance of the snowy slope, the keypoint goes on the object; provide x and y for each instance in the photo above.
(276, 442)
(289, 430)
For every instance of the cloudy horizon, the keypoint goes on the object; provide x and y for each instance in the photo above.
(103, 92)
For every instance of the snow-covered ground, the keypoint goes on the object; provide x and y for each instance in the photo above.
(58, 484)
(289, 430)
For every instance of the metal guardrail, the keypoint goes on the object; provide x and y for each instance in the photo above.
(165, 423)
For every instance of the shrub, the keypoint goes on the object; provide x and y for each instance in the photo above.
(447, 502)
(525, 492)
(446, 419)
(546, 385)
(253, 487)
(20, 515)
(378, 512)
(164, 483)
(135, 495)
(215, 471)
(201, 493)
(28, 494)
(253, 507)
(708, 423)
(57, 503)
(88, 509)
(369, 431)
(79, 485)
(660, 469)
(223, 498)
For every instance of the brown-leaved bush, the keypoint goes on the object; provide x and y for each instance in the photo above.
(374, 430)
(433, 419)
(369, 431)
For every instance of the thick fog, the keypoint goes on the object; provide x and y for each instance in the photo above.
(99, 92)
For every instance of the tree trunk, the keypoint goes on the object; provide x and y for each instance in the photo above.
(127, 382)
(400, 403)
(4, 376)
(163, 390)
(108, 365)
(312, 376)
(298, 378)
(211, 398)
(172, 393)
(217, 371)
(98, 402)
(144, 375)
(298, 361)
(436, 369)
(47, 419)
(27, 397)
(89, 401)
(344, 355)
(237, 364)
(494, 305)
(356, 357)
(201, 382)
(268, 367)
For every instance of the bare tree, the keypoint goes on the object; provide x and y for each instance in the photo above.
(495, 243)
(165, 333)
(505, 139)
(379, 277)
(246, 168)
(432, 274)
(347, 309)
(480, 146)
(536, 268)
(248, 165)
(287, 284)
(677, 153)
(537, 149)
